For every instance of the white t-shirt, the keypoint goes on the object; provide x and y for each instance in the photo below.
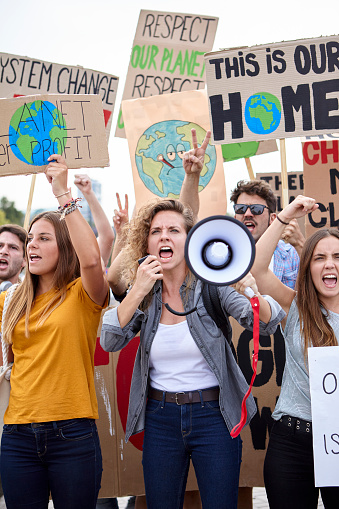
(176, 363)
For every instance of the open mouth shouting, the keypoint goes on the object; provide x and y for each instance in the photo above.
(3, 263)
(34, 258)
(250, 224)
(330, 280)
(165, 253)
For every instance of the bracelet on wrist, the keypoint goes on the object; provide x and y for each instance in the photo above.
(63, 194)
(281, 221)
(69, 207)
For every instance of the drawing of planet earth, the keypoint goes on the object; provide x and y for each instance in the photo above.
(36, 131)
(159, 154)
(262, 113)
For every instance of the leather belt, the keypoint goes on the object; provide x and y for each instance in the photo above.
(296, 424)
(181, 398)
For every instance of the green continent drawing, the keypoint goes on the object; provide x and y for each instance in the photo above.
(36, 131)
(262, 113)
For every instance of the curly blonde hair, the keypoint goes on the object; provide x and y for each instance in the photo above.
(137, 231)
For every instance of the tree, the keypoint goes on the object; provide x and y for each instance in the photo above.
(3, 218)
(12, 214)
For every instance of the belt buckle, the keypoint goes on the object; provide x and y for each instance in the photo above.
(176, 397)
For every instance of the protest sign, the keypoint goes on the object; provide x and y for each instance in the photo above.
(295, 185)
(266, 389)
(272, 91)
(167, 55)
(26, 76)
(159, 133)
(234, 151)
(321, 174)
(34, 127)
(324, 379)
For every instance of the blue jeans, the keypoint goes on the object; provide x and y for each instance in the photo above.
(61, 457)
(175, 434)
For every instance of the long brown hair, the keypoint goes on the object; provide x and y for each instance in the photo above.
(137, 235)
(68, 269)
(314, 326)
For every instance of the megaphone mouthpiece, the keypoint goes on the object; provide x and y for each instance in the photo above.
(217, 254)
(219, 250)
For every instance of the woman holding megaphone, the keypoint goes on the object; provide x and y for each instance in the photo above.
(312, 320)
(187, 388)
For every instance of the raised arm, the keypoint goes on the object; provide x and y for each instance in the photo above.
(105, 232)
(267, 282)
(193, 163)
(82, 236)
(120, 219)
(293, 235)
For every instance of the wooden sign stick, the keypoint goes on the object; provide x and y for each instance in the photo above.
(249, 168)
(29, 204)
(284, 184)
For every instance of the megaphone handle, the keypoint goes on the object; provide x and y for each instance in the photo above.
(249, 292)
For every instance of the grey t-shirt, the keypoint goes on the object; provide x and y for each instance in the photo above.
(295, 398)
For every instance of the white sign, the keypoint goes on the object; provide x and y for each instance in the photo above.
(279, 90)
(324, 384)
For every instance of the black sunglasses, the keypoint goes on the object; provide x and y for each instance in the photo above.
(256, 208)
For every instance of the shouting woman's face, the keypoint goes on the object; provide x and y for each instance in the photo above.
(325, 268)
(166, 239)
(42, 249)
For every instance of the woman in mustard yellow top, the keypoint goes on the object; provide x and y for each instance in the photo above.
(50, 442)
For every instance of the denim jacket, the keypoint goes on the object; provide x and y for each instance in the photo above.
(208, 338)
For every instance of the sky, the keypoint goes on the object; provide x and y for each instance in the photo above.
(99, 35)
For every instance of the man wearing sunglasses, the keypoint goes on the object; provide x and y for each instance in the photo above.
(255, 206)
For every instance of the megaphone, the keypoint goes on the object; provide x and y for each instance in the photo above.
(5, 285)
(219, 250)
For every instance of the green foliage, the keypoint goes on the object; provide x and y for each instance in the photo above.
(9, 214)
(3, 218)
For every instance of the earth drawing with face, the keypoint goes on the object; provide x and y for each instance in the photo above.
(159, 154)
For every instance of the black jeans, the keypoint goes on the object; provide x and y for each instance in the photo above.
(289, 471)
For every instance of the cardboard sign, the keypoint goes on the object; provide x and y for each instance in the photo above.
(234, 151)
(272, 91)
(26, 76)
(159, 133)
(324, 385)
(167, 55)
(321, 180)
(34, 127)
(295, 183)
(266, 390)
